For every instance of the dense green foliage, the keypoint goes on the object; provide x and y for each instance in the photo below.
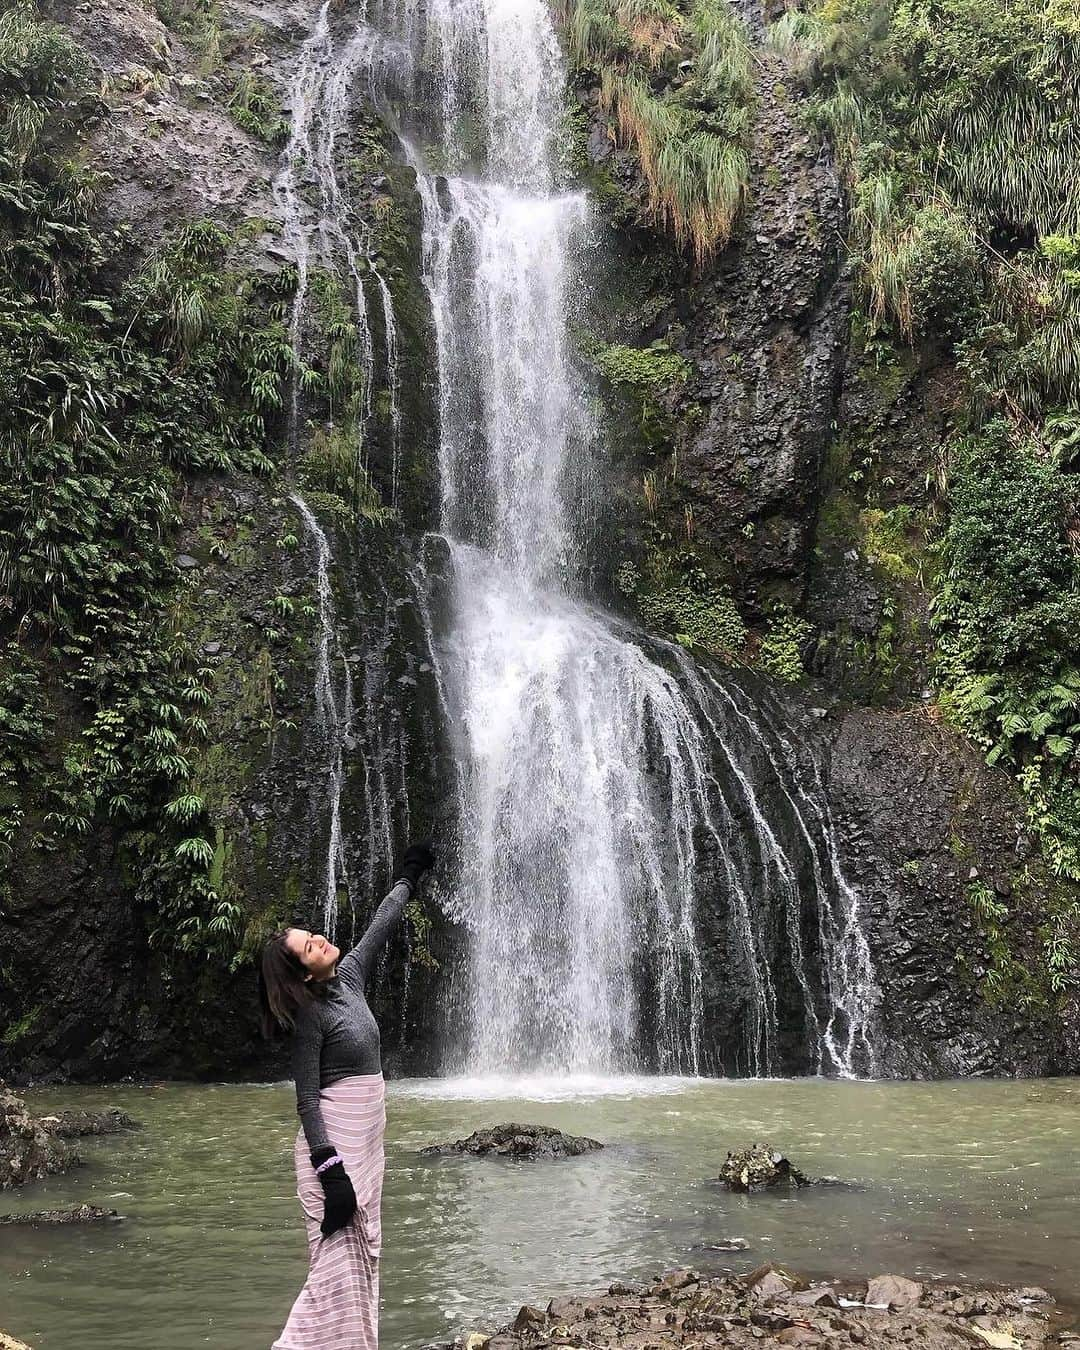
(113, 390)
(676, 81)
(697, 615)
(958, 124)
(654, 369)
(1009, 614)
(254, 106)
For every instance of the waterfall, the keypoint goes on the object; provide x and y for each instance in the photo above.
(318, 227)
(615, 800)
(600, 774)
(318, 230)
(333, 719)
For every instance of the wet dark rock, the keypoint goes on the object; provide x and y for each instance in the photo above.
(758, 1168)
(74, 1214)
(517, 1141)
(28, 1151)
(818, 1295)
(76, 1124)
(903, 791)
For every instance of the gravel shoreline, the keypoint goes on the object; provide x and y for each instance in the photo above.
(684, 1308)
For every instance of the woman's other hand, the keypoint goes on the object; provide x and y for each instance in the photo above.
(339, 1198)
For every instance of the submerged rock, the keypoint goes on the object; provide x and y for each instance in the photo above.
(27, 1150)
(73, 1214)
(755, 1169)
(77, 1124)
(517, 1141)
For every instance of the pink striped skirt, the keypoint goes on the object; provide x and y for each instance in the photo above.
(338, 1307)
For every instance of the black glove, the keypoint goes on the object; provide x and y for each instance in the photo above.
(340, 1199)
(418, 858)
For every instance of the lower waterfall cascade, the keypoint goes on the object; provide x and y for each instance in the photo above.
(610, 788)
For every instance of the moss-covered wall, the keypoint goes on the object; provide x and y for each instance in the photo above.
(165, 802)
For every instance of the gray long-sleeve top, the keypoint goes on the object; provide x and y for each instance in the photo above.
(336, 1035)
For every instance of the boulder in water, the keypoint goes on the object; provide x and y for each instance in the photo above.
(517, 1141)
(758, 1168)
(10, 1343)
(27, 1150)
(77, 1124)
(73, 1214)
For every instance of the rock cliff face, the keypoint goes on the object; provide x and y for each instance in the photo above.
(775, 399)
(765, 332)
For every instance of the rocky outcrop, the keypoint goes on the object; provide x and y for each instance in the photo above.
(758, 1168)
(517, 1141)
(10, 1343)
(765, 333)
(763, 329)
(28, 1151)
(682, 1307)
(922, 825)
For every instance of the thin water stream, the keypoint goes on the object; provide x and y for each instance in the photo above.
(972, 1180)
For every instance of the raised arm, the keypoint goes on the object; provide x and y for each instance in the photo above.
(355, 968)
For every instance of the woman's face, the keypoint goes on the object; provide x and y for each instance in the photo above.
(315, 953)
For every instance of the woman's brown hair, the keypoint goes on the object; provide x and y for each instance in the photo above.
(283, 986)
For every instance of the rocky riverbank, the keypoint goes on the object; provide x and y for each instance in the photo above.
(33, 1147)
(685, 1308)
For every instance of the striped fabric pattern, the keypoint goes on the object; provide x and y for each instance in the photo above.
(338, 1307)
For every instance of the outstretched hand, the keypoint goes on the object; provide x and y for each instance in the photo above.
(419, 858)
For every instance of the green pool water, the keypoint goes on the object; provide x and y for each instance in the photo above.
(975, 1179)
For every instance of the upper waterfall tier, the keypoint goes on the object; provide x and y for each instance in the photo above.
(511, 411)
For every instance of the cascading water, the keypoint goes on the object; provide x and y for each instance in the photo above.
(587, 783)
(611, 794)
(316, 222)
(317, 230)
(333, 718)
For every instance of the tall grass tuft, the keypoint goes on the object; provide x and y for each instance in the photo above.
(723, 69)
(688, 134)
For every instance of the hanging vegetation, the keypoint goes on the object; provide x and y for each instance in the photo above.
(677, 86)
(113, 391)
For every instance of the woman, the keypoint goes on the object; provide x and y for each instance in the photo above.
(306, 989)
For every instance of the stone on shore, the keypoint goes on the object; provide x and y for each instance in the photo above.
(892, 1292)
(28, 1151)
(759, 1167)
(683, 1308)
(10, 1343)
(517, 1141)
